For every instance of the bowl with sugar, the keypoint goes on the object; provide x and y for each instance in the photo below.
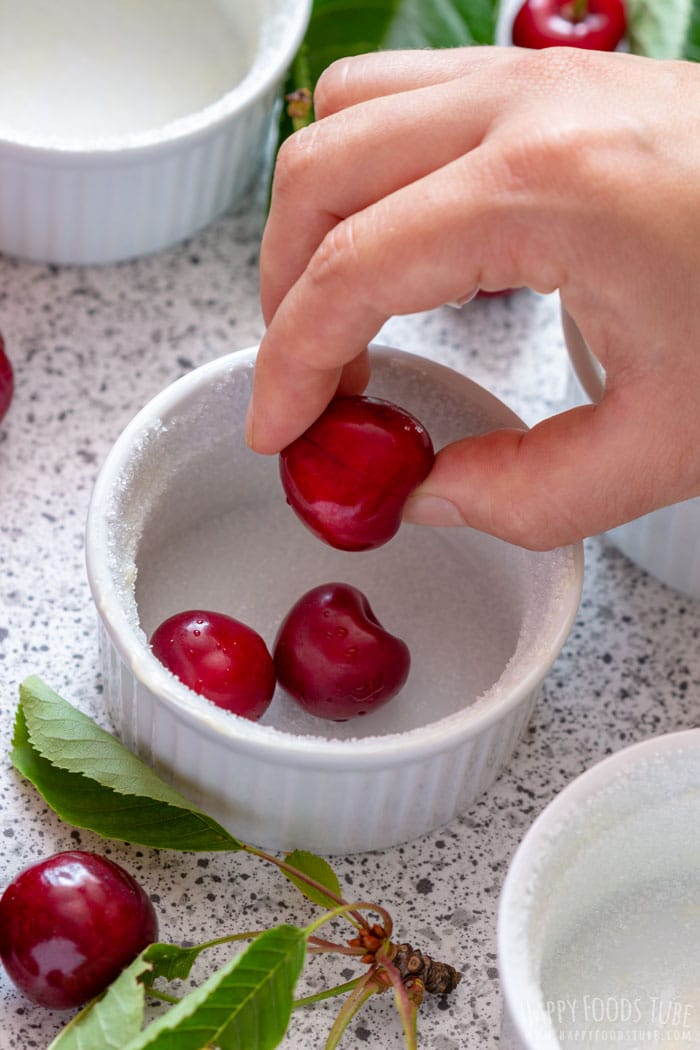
(184, 515)
(598, 925)
(126, 127)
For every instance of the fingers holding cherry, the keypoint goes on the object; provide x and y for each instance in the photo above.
(70, 924)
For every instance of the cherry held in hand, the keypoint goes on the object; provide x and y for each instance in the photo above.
(598, 25)
(7, 381)
(219, 657)
(70, 924)
(334, 657)
(349, 474)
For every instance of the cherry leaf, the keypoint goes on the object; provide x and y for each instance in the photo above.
(173, 962)
(349, 27)
(663, 28)
(112, 1020)
(92, 781)
(247, 1003)
(317, 869)
(691, 49)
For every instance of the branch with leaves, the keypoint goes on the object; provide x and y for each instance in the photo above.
(93, 782)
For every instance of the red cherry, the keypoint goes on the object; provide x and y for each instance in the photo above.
(598, 25)
(348, 475)
(70, 924)
(7, 381)
(218, 657)
(334, 657)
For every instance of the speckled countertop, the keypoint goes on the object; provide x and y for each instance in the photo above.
(90, 346)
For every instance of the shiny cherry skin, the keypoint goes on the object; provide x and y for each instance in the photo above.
(598, 25)
(349, 474)
(70, 924)
(7, 380)
(218, 657)
(334, 657)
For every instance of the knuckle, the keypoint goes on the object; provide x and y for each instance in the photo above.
(295, 161)
(526, 525)
(535, 535)
(532, 160)
(555, 70)
(542, 133)
(336, 255)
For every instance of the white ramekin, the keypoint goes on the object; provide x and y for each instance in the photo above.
(665, 543)
(100, 198)
(183, 515)
(507, 10)
(598, 924)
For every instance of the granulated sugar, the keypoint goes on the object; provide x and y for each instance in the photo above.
(201, 521)
(99, 68)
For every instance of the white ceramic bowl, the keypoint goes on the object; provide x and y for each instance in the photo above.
(665, 543)
(125, 127)
(507, 10)
(184, 515)
(599, 919)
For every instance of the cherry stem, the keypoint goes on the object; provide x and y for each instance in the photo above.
(353, 909)
(163, 997)
(406, 1006)
(353, 916)
(575, 10)
(318, 944)
(248, 935)
(328, 993)
(366, 987)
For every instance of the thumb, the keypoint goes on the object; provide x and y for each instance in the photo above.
(571, 476)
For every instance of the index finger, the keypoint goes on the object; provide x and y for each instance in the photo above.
(371, 266)
(345, 162)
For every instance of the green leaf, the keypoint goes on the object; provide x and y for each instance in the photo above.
(109, 1022)
(175, 963)
(442, 23)
(659, 28)
(320, 871)
(92, 781)
(171, 961)
(247, 1003)
(339, 28)
(691, 49)
(350, 27)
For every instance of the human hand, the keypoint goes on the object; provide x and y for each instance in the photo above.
(431, 174)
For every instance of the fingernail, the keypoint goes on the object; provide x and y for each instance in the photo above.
(432, 510)
(464, 299)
